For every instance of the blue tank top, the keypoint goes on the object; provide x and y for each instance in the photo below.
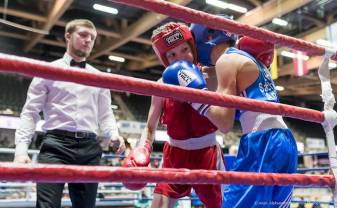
(263, 88)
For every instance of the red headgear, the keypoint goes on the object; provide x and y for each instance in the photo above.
(172, 36)
(261, 50)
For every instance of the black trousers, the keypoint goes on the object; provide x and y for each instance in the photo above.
(57, 149)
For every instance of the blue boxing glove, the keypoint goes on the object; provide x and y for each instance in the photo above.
(183, 73)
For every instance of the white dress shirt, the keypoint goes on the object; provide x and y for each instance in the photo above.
(67, 106)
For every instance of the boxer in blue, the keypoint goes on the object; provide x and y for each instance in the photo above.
(267, 145)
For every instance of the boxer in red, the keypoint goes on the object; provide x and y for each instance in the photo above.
(192, 142)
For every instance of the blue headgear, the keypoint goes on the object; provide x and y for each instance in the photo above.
(206, 38)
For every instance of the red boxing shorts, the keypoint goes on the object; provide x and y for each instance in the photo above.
(209, 158)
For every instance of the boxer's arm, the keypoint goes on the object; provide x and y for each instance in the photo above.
(227, 68)
(155, 111)
(140, 156)
(148, 134)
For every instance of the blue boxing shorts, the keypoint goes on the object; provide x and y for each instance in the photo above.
(268, 151)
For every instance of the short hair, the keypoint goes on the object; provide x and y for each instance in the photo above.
(164, 28)
(71, 26)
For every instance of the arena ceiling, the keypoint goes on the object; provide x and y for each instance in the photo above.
(127, 35)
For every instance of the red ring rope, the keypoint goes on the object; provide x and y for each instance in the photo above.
(43, 69)
(74, 173)
(215, 22)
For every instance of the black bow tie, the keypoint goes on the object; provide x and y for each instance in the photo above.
(78, 64)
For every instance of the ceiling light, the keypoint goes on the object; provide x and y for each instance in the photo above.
(323, 42)
(332, 65)
(225, 5)
(116, 58)
(114, 107)
(279, 88)
(106, 9)
(326, 43)
(293, 55)
(281, 22)
(8, 111)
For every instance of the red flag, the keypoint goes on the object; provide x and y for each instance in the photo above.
(300, 63)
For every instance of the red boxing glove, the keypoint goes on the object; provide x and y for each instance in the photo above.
(261, 50)
(138, 157)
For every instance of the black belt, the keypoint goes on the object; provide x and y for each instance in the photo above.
(77, 134)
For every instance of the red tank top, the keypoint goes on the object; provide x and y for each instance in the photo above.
(183, 122)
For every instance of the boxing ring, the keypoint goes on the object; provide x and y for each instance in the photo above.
(71, 173)
(116, 195)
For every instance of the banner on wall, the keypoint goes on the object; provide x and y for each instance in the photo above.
(300, 63)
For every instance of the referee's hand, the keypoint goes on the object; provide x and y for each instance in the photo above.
(22, 159)
(117, 145)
